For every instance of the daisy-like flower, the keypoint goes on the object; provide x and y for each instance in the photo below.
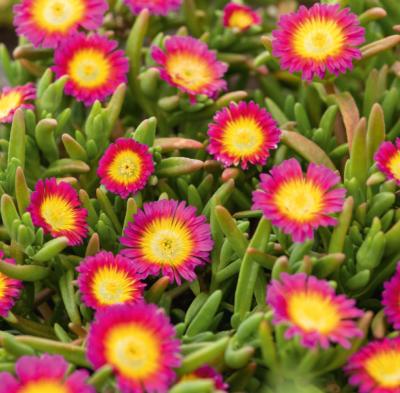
(9, 289)
(296, 203)
(138, 341)
(93, 65)
(49, 22)
(167, 237)
(125, 167)
(56, 208)
(240, 17)
(318, 39)
(190, 66)
(45, 374)
(12, 98)
(207, 372)
(391, 299)
(243, 133)
(388, 160)
(155, 7)
(105, 280)
(376, 367)
(311, 309)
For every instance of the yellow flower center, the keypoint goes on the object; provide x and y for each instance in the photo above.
(240, 19)
(384, 368)
(89, 68)
(126, 167)
(189, 71)
(8, 102)
(394, 166)
(133, 350)
(57, 15)
(58, 213)
(167, 242)
(243, 137)
(318, 39)
(299, 200)
(313, 312)
(112, 286)
(44, 386)
(3, 285)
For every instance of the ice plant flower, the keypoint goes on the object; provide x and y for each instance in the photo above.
(9, 289)
(376, 367)
(243, 133)
(391, 299)
(318, 39)
(105, 280)
(207, 372)
(298, 204)
(155, 7)
(311, 310)
(56, 208)
(12, 98)
(167, 237)
(240, 17)
(138, 341)
(388, 160)
(125, 167)
(45, 374)
(189, 65)
(93, 65)
(49, 22)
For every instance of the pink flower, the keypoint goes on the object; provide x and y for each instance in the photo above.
(13, 98)
(391, 299)
(240, 17)
(388, 159)
(207, 372)
(10, 289)
(155, 7)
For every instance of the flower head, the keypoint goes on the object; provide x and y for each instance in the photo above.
(167, 237)
(391, 299)
(313, 311)
(155, 7)
(240, 17)
(56, 208)
(318, 39)
(125, 167)
(138, 341)
(243, 133)
(388, 159)
(49, 22)
(9, 289)
(45, 374)
(296, 203)
(93, 65)
(376, 367)
(12, 98)
(190, 66)
(105, 280)
(207, 372)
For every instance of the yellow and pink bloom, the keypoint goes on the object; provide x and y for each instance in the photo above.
(56, 208)
(240, 17)
(167, 237)
(125, 167)
(311, 310)
(189, 65)
(376, 367)
(13, 98)
(94, 66)
(387, 160)
(207, 372)
(391, 299)
(105, 280)
(318, 39)
(155, 7)
(139, 342)
(299, 204)
(45, 374)
(49, 22)
(10, 289)
(243, 133)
